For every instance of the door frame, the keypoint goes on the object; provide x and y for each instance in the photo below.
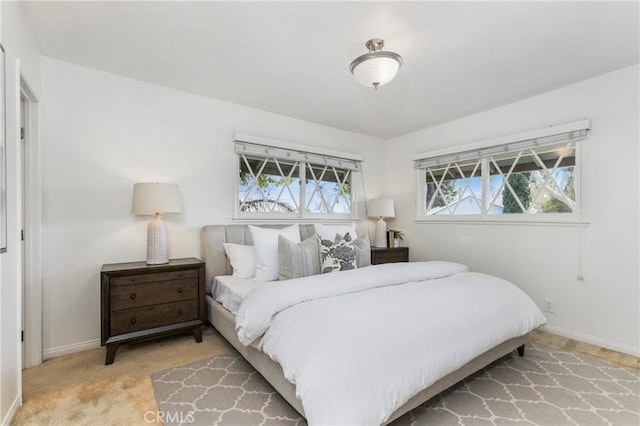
(32, 223)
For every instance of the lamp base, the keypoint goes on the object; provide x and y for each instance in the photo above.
(381, 234)
(157, 242)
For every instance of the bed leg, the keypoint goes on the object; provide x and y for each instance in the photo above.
(521, 350)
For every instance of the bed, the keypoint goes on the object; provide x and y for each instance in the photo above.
(255, 350)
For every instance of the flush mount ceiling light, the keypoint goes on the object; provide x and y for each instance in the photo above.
(375, 68)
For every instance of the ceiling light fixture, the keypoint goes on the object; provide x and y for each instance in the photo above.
(375, 68)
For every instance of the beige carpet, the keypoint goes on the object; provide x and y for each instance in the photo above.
(79, 389)
(546, 387)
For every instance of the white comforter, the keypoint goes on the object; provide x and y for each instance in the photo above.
(359, 344)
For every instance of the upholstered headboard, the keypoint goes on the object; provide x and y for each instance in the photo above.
(212, 238)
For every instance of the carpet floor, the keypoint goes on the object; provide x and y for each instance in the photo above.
(78, 389)
(548, 386)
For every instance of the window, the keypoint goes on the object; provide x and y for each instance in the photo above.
(524, 179)
(268, 185)
(282, 183)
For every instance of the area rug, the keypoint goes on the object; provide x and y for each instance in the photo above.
(547, 386)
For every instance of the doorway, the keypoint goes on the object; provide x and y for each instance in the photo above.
(30, 220)
(22, 251)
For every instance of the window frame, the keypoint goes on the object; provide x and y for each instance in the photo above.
(302, 216)
(527, 140)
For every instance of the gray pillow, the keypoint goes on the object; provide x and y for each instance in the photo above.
(297, 260)
(362, 247)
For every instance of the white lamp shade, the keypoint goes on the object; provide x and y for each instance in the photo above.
(379, 70)
(381, 207)
(152, 198)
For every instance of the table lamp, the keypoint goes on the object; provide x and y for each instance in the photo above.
(156, 199)
(381, 208)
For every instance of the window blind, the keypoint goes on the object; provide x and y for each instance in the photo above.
(501, 150)
(261, 151)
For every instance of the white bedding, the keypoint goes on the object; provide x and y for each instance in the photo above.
(359, 344)
(230, 291)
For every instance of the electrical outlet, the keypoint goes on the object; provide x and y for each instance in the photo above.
(549, 305)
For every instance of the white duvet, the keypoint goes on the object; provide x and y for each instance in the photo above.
(359, 344)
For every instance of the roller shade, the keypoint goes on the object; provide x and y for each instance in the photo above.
(508, 150)
(257, 152)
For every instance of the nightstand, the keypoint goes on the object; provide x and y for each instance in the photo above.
(389, 255)
(139, 301)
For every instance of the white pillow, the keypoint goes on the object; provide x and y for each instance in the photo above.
(329, 232)
(265, 242)
(242, 259)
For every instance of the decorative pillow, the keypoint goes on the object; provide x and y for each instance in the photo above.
(298, 260)
(362, 246)
(265, 242)
(242, 259)
(339, 256)
(328, 232)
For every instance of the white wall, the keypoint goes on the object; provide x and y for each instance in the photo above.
(22, 58)
(101, 134)
(545, 260)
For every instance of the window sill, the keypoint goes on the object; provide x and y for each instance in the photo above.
(257, 220)
(483, 220)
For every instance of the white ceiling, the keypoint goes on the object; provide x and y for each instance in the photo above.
(292, 58)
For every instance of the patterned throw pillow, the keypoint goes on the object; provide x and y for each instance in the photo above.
(362, 246)
(337, 256)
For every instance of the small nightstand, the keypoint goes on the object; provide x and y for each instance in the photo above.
(141, 301)
(389, 255)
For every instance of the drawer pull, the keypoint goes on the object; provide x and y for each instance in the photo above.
(180, 290)
(133, 321)
(180, 312)
(132, 280)
(133, 296)
(179, 274)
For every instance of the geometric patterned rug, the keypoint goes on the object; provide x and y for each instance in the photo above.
(547, 386)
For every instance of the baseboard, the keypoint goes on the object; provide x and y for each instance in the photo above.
(70, 349)
(627, 349)
(591, 339)
(12, 411)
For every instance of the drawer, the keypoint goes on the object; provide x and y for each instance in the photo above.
(390, 257)
(130, 320)
(138, 295)
(153, 277)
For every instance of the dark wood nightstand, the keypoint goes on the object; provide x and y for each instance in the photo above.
(141, 301)
(389, 255)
